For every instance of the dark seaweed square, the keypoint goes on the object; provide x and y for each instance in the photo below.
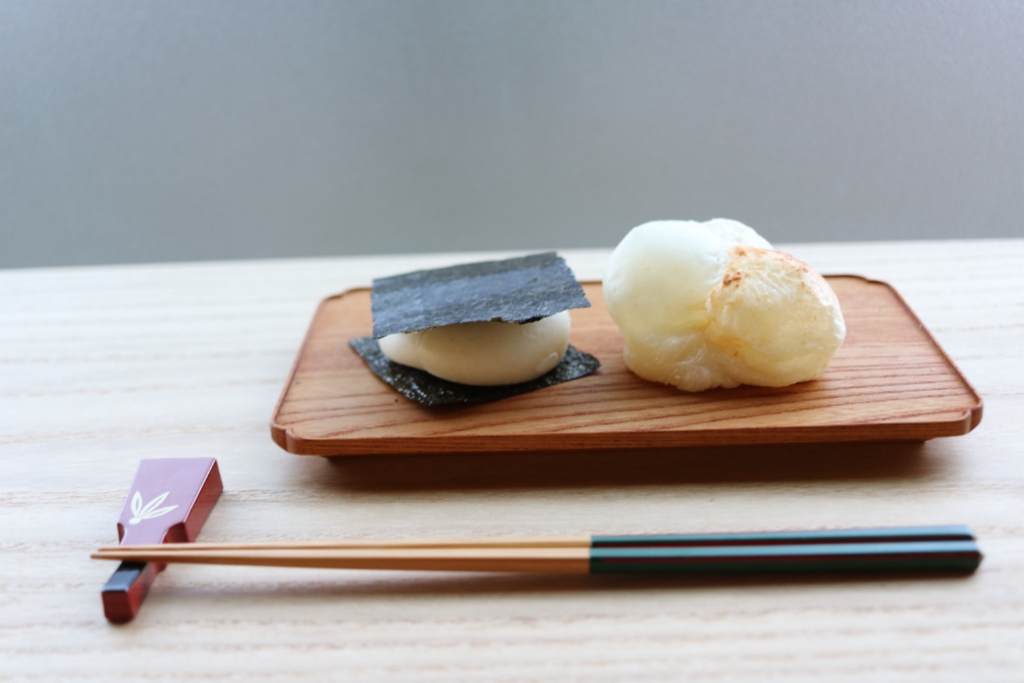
(427, 390)
(517, 290)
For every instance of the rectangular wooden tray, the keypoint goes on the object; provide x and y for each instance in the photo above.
(889, 381)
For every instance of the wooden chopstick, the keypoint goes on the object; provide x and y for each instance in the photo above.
(894, 534)
(544, 560)
(357, 544)
(902, 556)
(904, 549)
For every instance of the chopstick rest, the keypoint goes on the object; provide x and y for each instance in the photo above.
(168, 502)
(935, 548)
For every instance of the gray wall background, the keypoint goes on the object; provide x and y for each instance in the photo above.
(154, 131)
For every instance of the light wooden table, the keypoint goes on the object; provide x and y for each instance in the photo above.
(100, 367)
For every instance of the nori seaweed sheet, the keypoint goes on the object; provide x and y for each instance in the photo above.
(517, 290)
(427, 390)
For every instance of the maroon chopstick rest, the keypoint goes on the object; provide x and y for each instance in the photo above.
(168, 502)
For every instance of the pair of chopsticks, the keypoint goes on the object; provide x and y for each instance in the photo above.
(932, 548)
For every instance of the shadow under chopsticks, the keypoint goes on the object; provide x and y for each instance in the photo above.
(442, 584)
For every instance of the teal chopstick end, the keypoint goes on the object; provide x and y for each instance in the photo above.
(754, 554)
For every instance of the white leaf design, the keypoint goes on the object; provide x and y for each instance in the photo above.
(153, 504)
(149, 510)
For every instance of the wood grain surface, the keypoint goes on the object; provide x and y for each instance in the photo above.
(889, 381)
(100, 367)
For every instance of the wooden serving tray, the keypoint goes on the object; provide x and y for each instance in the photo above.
(889, 381)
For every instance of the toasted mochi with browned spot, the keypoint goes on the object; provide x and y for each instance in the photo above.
(705, 305)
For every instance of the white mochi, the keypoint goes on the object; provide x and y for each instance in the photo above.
(484, 353)
(705, 305)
